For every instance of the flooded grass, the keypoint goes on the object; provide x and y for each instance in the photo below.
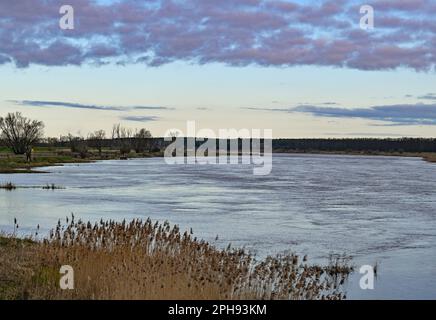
(8, 186)
(51, 187)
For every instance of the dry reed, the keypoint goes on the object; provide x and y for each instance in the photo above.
(145, 260)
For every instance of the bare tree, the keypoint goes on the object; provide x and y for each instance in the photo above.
(51, 141)
(174, 134)
(78, 145)
(21, 133)
(97, 138)
(141, 141)
(116, 128)
(123, 137)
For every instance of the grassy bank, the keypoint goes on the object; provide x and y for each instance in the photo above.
(145, 260)
(45, 157)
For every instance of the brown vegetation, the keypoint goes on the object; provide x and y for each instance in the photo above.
(142, 260)
(45, 157)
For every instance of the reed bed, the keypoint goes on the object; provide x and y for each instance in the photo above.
(146, 260)
(8, 186)
(51, 187)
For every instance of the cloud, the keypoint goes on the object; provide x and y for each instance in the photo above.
(268, 109)
(140, 118)
(428, 96)
(237, 33)
(151, 108)
(401, 114)
(36, 103)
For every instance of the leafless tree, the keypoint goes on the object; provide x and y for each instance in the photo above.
(123, 137)
(97, 138)
(141, 140)
(21, 133)
(78, 145)
(174, 134)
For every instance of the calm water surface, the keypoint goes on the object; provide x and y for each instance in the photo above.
(377, 209)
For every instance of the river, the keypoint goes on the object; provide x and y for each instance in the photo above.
(376, 209)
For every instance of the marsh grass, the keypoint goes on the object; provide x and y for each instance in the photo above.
(51, 187)
(8, 186)
(145, 260)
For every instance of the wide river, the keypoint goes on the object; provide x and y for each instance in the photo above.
(377, 209)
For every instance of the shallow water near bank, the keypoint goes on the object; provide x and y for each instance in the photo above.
(376, 209)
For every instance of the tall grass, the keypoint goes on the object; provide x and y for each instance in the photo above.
(145, 260)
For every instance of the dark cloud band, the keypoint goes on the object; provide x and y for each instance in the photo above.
(237, 32)
(402, 114)
(419, 114)
(140, 118)
(36, 103)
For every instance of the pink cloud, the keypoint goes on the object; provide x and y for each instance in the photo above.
(234, 32)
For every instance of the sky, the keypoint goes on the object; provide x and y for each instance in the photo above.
(300, 68)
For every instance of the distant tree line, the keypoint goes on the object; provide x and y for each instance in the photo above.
(122, 138)
(398, 145)
(21, 134)
(358, 144)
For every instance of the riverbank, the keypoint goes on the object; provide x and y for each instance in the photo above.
(47, 157)
(145, 260)
(10, 163)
